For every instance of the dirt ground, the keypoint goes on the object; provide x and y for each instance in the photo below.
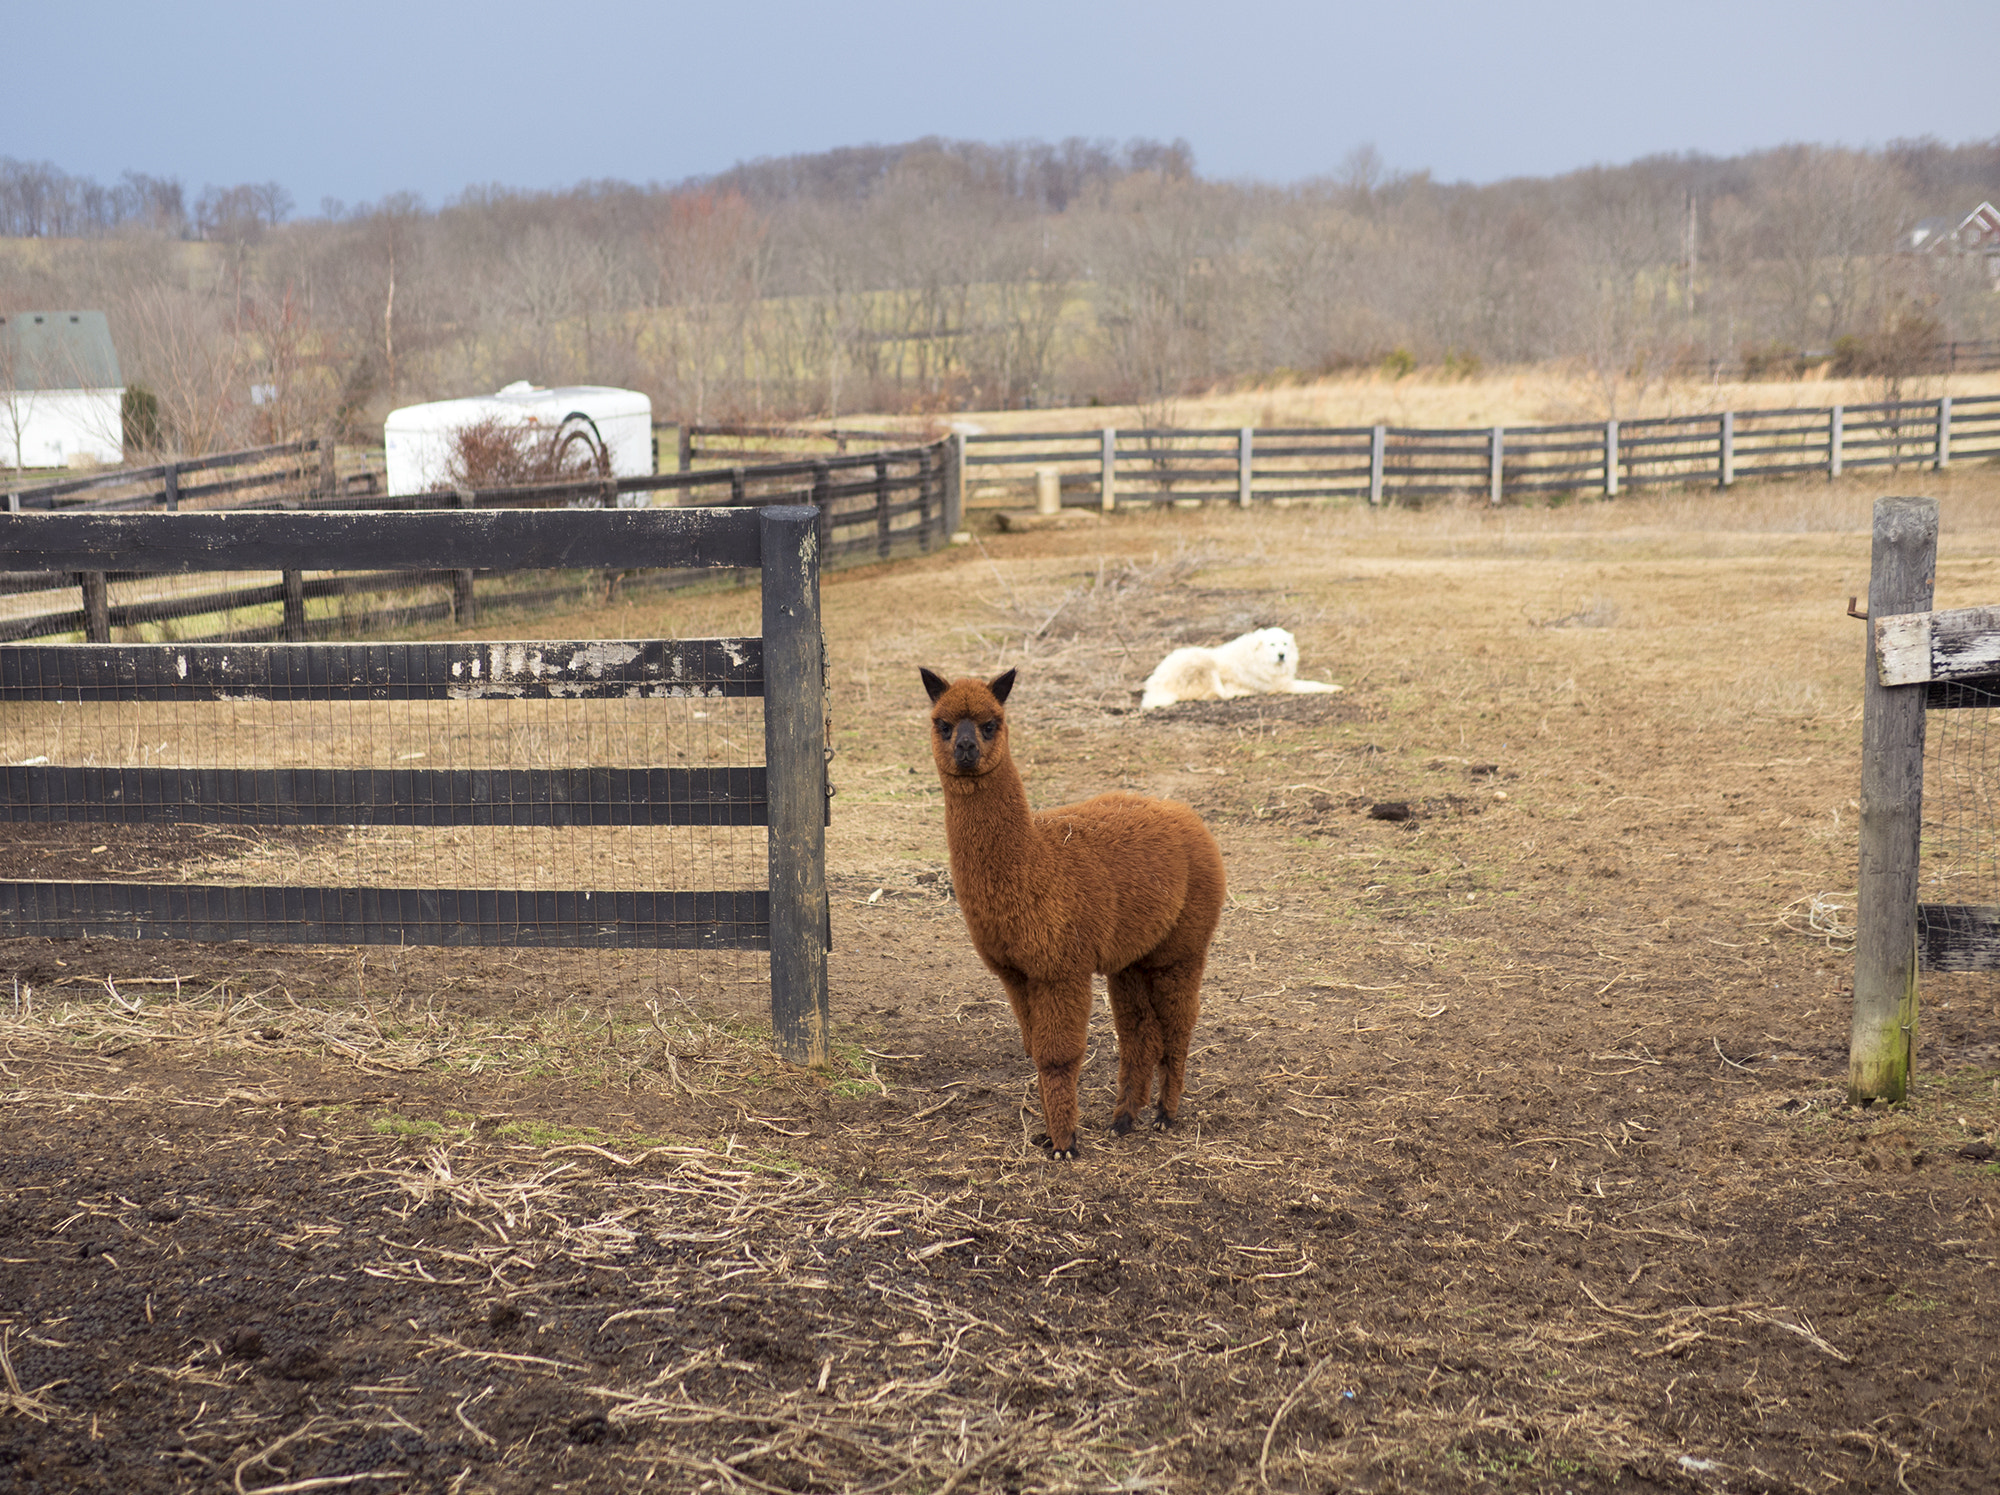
(1515, 1154)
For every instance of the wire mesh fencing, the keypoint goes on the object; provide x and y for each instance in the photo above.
(485, 801)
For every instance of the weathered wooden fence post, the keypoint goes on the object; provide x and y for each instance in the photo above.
(170, 487)
(1378, 443)
(1882, 1040)
(295, 606)
(1496, 465)
(954, 488)
(1107, 471)
(1611, 459)
(882, 495)
(795, 780)
(1944, 433)
(96, 608)
(1244, 438)
(329, 467)
(1836, 439)
(926, 497)
(1725, 451)
(684, 448)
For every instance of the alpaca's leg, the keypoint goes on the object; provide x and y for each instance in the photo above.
(1177, 1000)
(1057, 1031)
(1140, 1044)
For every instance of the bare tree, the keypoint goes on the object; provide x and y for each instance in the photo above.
(709, 254)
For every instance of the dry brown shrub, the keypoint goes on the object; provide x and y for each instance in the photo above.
(498, 453)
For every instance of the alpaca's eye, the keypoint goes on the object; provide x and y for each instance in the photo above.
(989, 730)
(943, 729)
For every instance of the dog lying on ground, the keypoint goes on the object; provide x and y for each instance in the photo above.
(1264, 661)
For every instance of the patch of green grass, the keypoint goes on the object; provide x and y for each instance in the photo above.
(553, 1134)
(416, 1127)
(1902, 1300)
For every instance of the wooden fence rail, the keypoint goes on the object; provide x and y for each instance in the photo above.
(1111, 467)
(787, 793)
(871, 506)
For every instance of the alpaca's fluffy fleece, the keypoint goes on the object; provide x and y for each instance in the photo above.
(1264, 661)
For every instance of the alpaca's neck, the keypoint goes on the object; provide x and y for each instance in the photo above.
(986, 825)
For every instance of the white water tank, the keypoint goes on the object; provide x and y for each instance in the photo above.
(419, 438)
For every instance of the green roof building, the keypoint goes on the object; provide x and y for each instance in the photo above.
(60, 390)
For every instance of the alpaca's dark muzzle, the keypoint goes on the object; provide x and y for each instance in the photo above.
(965, 746)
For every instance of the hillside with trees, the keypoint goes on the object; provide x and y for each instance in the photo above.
(942, 275)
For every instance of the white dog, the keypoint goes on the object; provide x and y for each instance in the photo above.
(1264, 661)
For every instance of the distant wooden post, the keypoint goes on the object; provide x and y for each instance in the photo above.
(464, 610)
(329, 468)
(295, 606)
(1725, 458)
(1378, 444)
(954, 488)
(881, 509)
(1107, 471)
(96, 608)
(1496, 467)
(170, 487)
(684, 448)
(1836, 434)
(795, 781)
(822, 500)
(1883, 1037)
(1944, 433)
(1244, 437)
(1048, 490)
(926, 495)
(1611, 459)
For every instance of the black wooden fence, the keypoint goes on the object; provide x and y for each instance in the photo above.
(225, 480)
(1110, 467)
(787, 794)
(870, 505)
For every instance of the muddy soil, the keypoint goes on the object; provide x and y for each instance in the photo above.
(1515, 1154)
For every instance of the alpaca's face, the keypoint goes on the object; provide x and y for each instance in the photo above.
(968, 724)
(967, 744)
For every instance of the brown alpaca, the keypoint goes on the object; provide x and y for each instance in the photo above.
(1121, 884)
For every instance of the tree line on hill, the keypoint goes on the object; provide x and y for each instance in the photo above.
(942, 275)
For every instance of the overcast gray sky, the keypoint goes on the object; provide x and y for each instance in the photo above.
(363, 98)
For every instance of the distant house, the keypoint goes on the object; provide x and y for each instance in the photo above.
(60, 390)
(1976, 234)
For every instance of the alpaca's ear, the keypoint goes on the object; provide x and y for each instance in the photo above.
(933, 683)
(1000, 685)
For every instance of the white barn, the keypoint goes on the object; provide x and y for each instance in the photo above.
(61, 394)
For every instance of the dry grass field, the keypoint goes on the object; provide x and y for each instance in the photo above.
(1534, 395)
(1515, 1154)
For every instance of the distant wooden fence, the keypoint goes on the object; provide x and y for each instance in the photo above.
(1109, 468)
(870, 506)
(785, 665)
(226, 480)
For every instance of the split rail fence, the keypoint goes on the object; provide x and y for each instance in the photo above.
(1110, 467)
(1920, 662)
(160, 787)
(871, 506)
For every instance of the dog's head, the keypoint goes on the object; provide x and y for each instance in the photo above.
(1272, 654)
(968, 724)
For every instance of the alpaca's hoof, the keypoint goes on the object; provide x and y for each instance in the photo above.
(1122, 1123)
(1059, 1154)
(1162, 1121)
